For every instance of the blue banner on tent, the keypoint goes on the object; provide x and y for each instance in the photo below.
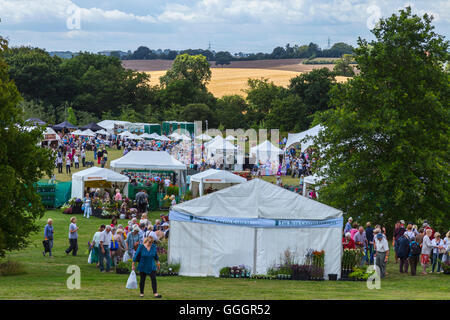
(258, 222)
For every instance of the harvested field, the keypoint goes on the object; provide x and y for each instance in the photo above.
(274, 64)
(229, 81)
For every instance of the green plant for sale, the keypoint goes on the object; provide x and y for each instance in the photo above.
(359, 273)
(225, 272)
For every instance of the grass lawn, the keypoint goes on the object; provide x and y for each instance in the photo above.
(112, 155)
(46, 278)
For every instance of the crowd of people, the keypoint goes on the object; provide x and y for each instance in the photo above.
(412, 246)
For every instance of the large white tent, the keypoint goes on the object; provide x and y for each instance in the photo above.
(219, 143)
(203, 137)
(294, 138)
(87, 133)
(109, 124)
(151, 160)
(252, 223)
(96, 176)
(163, 138)
(266, 151)
(218, 179)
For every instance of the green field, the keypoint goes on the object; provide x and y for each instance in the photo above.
(46, 278)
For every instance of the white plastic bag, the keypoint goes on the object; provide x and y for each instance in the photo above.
(90, 257)
(132, 281)
(126, 257)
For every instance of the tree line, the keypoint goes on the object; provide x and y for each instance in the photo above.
(91, 87)
(288, 52)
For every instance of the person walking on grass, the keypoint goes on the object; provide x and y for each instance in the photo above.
(48, 236)
(96, 245)
(105, 253)
(414, 255)
(87, 206)
(438, 251)
(402, 248)
(68, 162)
(427, 247)
(146, 255)
(369, 248)
(382, 253)
(361, 242)
(73, 237)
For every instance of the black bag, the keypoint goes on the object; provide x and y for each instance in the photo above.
(46, 245)
(415, 248)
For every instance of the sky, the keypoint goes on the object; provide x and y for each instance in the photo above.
(231, 25)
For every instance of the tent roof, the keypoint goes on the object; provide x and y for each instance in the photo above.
(203, 137)
(294, 138)
(220, 144)
(148, 160)
(64, 125)
(103, 132)
(146, 136)
(258, 199)
(217, 176)
(185, 137)
(266, 146)
(36, 121)
(77, 132)
(109, 124)
(154, 135)
(92, 126)
(88, 132)
(230, 138)
(163, 138)
(97, 173)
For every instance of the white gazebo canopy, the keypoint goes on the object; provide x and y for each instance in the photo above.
(88, 133)
(219, 144)
(146, 136)
(230, 138)
(266, 151)
(154, 136)
(77, 132)
(103, 132)
(156, 160)
(163, 138)
(217, 179)
(203, 137)
(95, 174)
(294, 138)
(175, 136)
(184, 137)
(252, 223)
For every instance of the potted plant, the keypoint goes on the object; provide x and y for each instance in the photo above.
(123, 268)
(359, 274)
(225, 272)
(301, 272)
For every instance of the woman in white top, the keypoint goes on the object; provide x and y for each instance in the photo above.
(447, 247)
(438, 251)
(95, 245)
(426, 250)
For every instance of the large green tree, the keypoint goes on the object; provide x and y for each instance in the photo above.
(385, 150)
(314, 87)
(195, 69)
(232, 112)
(22, 164)
(343, 66)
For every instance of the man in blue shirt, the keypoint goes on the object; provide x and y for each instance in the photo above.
(369, 248)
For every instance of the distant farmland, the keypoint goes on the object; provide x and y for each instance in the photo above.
(232, 79)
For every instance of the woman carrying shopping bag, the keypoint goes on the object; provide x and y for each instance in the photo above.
(146, 255)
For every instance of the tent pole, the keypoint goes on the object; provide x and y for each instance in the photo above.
(255, 251)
